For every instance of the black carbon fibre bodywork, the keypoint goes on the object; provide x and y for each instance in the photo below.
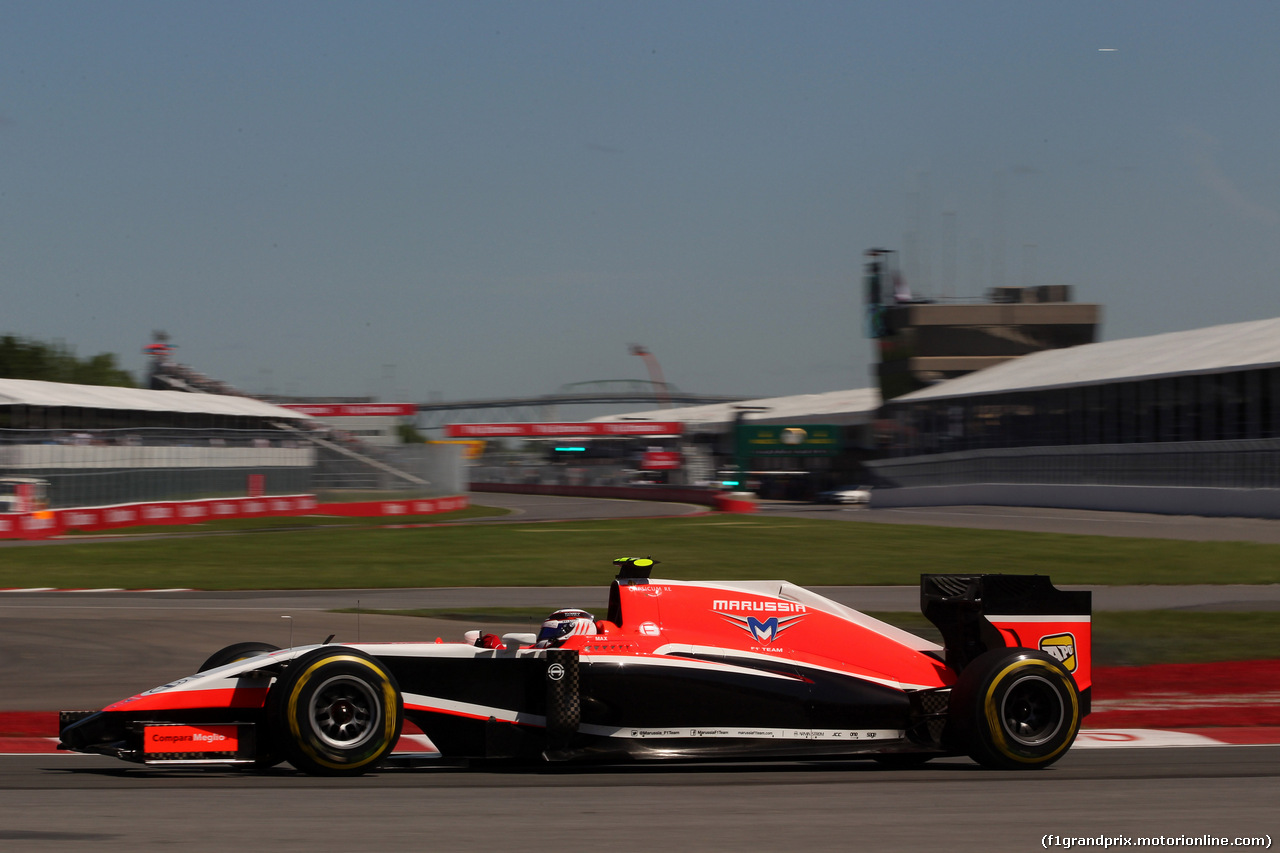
(119, 733)
(648, 695)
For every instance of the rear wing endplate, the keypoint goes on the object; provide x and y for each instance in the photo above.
(977, 613)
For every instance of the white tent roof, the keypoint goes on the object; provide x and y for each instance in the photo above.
(848, 408)
(1214, 349)
(31, 392)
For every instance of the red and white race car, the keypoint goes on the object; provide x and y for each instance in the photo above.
(676, 669)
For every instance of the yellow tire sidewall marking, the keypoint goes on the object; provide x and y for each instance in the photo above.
(992, 713)
(388, 699)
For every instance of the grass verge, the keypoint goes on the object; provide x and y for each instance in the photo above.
(711, 547)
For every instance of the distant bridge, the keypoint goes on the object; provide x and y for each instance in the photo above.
(603, 392)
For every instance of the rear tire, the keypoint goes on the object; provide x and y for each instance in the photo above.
(335, 712)
(1014, 709)
(235, 652)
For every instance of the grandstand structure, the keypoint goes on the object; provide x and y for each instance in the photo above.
(97, 445)
(1185, 422)
(100, 445)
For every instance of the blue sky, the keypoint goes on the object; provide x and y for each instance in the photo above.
(478, 199)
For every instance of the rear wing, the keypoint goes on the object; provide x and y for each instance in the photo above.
(977, 613)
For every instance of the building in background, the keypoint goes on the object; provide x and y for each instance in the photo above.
(788, 447)
(1180, 422)
(923, 341)
(783, 447)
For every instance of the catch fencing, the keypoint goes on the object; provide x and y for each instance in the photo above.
(109, 467)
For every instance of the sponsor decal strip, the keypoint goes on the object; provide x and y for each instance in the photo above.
(757, 606)
(190, 739)
(1062, 648)
(483, 712)
(358, 410)
(669, 659)
(762, 631)
(563, 430)
(752, 733)
(56, 522)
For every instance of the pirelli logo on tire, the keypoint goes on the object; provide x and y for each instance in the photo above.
(1062, 648)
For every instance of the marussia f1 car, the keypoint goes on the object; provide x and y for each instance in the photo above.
(676, 669)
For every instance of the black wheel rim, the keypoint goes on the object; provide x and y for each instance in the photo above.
(345, 712)
(1031, 711)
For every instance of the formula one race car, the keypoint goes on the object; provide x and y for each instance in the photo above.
(676, 669)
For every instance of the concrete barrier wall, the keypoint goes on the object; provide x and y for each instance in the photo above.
(56, 522)
(1163, 500)
(701, 497)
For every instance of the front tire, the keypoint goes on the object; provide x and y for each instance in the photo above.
(335, 712)
(1015, 709)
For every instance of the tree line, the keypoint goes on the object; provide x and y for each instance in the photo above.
(22, 358)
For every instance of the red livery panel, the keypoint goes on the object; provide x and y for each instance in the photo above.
(190, 739)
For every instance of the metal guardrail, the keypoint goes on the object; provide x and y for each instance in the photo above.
(555, 475)
(111, 466)
(102, 467)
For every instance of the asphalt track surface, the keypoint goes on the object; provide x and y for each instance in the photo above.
(60, 802)
(78, 650)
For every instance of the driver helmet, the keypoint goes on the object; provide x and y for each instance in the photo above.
(566, 623)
